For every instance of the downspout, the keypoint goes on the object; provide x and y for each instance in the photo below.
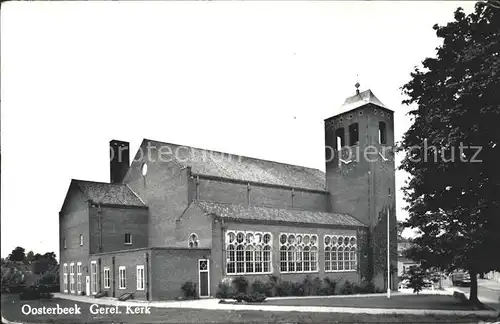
(99, 224)
(146, 275)
(114, 275)
(224, 251)
(197, 187)
(99, 274)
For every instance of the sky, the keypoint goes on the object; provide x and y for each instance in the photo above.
(250, 78)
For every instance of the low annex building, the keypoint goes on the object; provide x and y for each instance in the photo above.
(178, 214)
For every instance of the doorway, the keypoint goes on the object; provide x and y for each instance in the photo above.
(203, 278)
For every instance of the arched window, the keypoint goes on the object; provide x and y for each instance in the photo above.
(340, 253)
(248, 252)
(193, 240)
(298, 252)
(328, 262)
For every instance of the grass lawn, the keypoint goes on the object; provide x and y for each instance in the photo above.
(434, 302)
(11, 310)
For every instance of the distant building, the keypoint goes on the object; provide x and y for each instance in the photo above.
(204, 216)
(493, 275)
(403, 262)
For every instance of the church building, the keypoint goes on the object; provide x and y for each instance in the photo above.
(179, 214)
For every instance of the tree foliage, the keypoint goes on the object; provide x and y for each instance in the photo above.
(417, 277)
(17, 254)
(453, 146)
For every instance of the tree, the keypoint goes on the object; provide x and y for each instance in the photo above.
(30, 257)
(400, 229)
(452, 148)
(416, 277)
(43, 263)
(17, 254)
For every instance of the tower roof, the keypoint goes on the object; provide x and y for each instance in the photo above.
(358, 100)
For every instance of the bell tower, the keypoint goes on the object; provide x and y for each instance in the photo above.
(360, 170)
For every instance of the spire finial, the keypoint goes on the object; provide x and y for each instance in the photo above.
(357, 84)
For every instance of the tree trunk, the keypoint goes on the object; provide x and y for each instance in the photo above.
(473, 288)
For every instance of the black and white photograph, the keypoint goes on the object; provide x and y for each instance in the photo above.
(299, 162)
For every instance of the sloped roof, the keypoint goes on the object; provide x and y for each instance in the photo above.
(259, 213)
(108, 193)
(358, 100)
(225, 165)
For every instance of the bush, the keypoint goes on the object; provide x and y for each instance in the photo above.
(33, 293)
(259, 287)
(330, 288)
(366, 287)
(239, 297)
(416, 277)
(297, 289)
(255, 298)
(348, 288)
(224, 291)
(284, 288)
(189, 289)
(240, 284)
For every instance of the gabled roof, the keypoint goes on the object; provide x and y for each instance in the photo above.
(259, 213)
(225, 165)
(359, 100)
(108, 193)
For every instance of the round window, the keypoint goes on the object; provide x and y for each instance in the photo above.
(144, 169)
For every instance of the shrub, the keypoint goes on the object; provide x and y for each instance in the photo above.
(239, 297)
(348, 288)
(416, 277)
(365, 287)
(241, 284)
(330, 288)
(255, 297)
(32, 294)
(189, 289)
(259, 287)
(284, 288)
(297, 289)
(224, 291)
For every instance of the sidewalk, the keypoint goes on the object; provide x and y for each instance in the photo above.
(213, 304)
(490, 284)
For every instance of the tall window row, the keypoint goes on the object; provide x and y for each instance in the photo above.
(340, 253)
(298, 252)
(248, 252)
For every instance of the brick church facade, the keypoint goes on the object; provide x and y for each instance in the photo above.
(178, 214)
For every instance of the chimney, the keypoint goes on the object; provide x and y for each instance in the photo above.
(119, 160)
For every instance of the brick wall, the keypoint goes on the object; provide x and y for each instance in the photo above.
(164, 189)
(361, 188)
(194, 220)
(230, 191)
(218, 251)
(129, 259)
(73, 221)
(108, 226)
(171, 268)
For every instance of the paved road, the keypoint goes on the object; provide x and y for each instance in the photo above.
(487, 291)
